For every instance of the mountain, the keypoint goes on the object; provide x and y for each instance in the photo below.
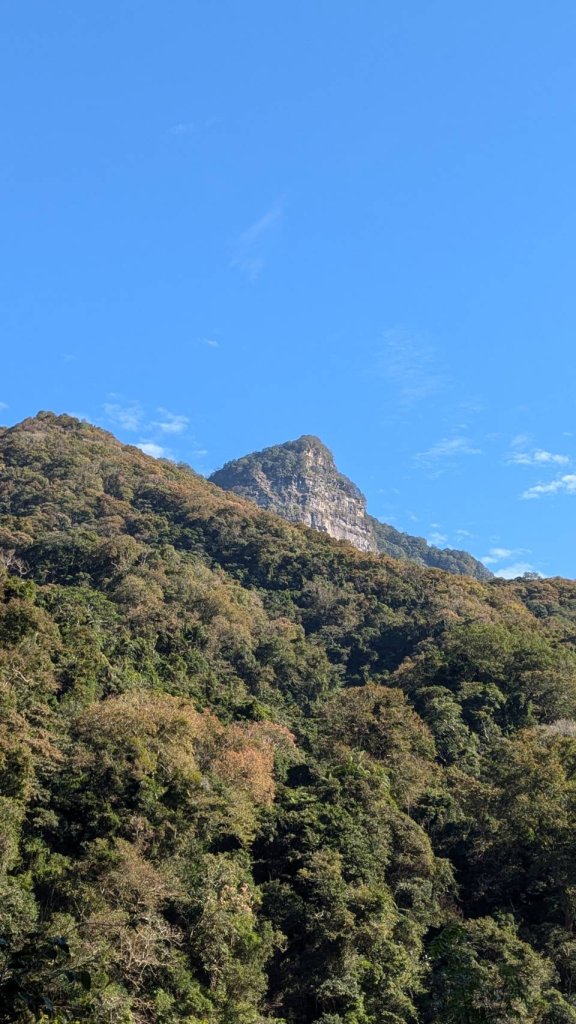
(250, 775)
(299, 481)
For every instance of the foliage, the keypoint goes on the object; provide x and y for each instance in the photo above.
(250, 775)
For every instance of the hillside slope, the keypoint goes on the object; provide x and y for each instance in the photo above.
(249, 774)
(299, 481)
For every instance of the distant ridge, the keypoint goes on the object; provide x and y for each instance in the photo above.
(299, 481)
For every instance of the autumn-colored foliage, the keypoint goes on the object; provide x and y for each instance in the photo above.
(248, 774)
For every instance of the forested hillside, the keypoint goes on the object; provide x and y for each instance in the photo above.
(250, 774)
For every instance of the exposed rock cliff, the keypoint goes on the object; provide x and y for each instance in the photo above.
(300, 482)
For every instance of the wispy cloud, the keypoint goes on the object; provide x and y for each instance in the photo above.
(248, 249)
(209, 342)
(496, 555)
(518, 567)
(438, 536)
(3, 405)
(172, 423)
(261, 226)
(447, 450)
(539, 457)
(510, 572)
(157, 451)
(410, 366)
(520, 441)
(437, 539)
(154, 429)
(562, 485)
(128, 415)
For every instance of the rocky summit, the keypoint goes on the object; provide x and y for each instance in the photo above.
(299, 481)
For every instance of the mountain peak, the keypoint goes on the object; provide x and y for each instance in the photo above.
(306, 441)
(299, 481)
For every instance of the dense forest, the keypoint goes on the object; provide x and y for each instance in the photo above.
(249, 774)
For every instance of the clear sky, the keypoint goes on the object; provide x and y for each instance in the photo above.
(226, 223)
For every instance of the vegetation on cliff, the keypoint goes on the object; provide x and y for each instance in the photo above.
(249, 774)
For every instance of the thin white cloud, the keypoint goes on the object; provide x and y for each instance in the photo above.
(539, 457)
(172, 423)
(517, 567)
(128, 415)
(166, 426)
(447, 449)
(510, 572)
(436, 538)
(157, 451)
(247, 255)
(3, 405)
(562, 485)
(261, 226)
(209, 342)
(520, 441)
(410, 366)
(496, 555)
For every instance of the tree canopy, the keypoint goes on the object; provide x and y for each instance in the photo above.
(249, 774)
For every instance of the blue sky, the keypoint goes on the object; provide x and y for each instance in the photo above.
(226, 224)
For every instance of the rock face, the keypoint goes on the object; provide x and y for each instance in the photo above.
(300, 482)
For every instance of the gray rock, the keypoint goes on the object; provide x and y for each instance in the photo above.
(299, 481)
